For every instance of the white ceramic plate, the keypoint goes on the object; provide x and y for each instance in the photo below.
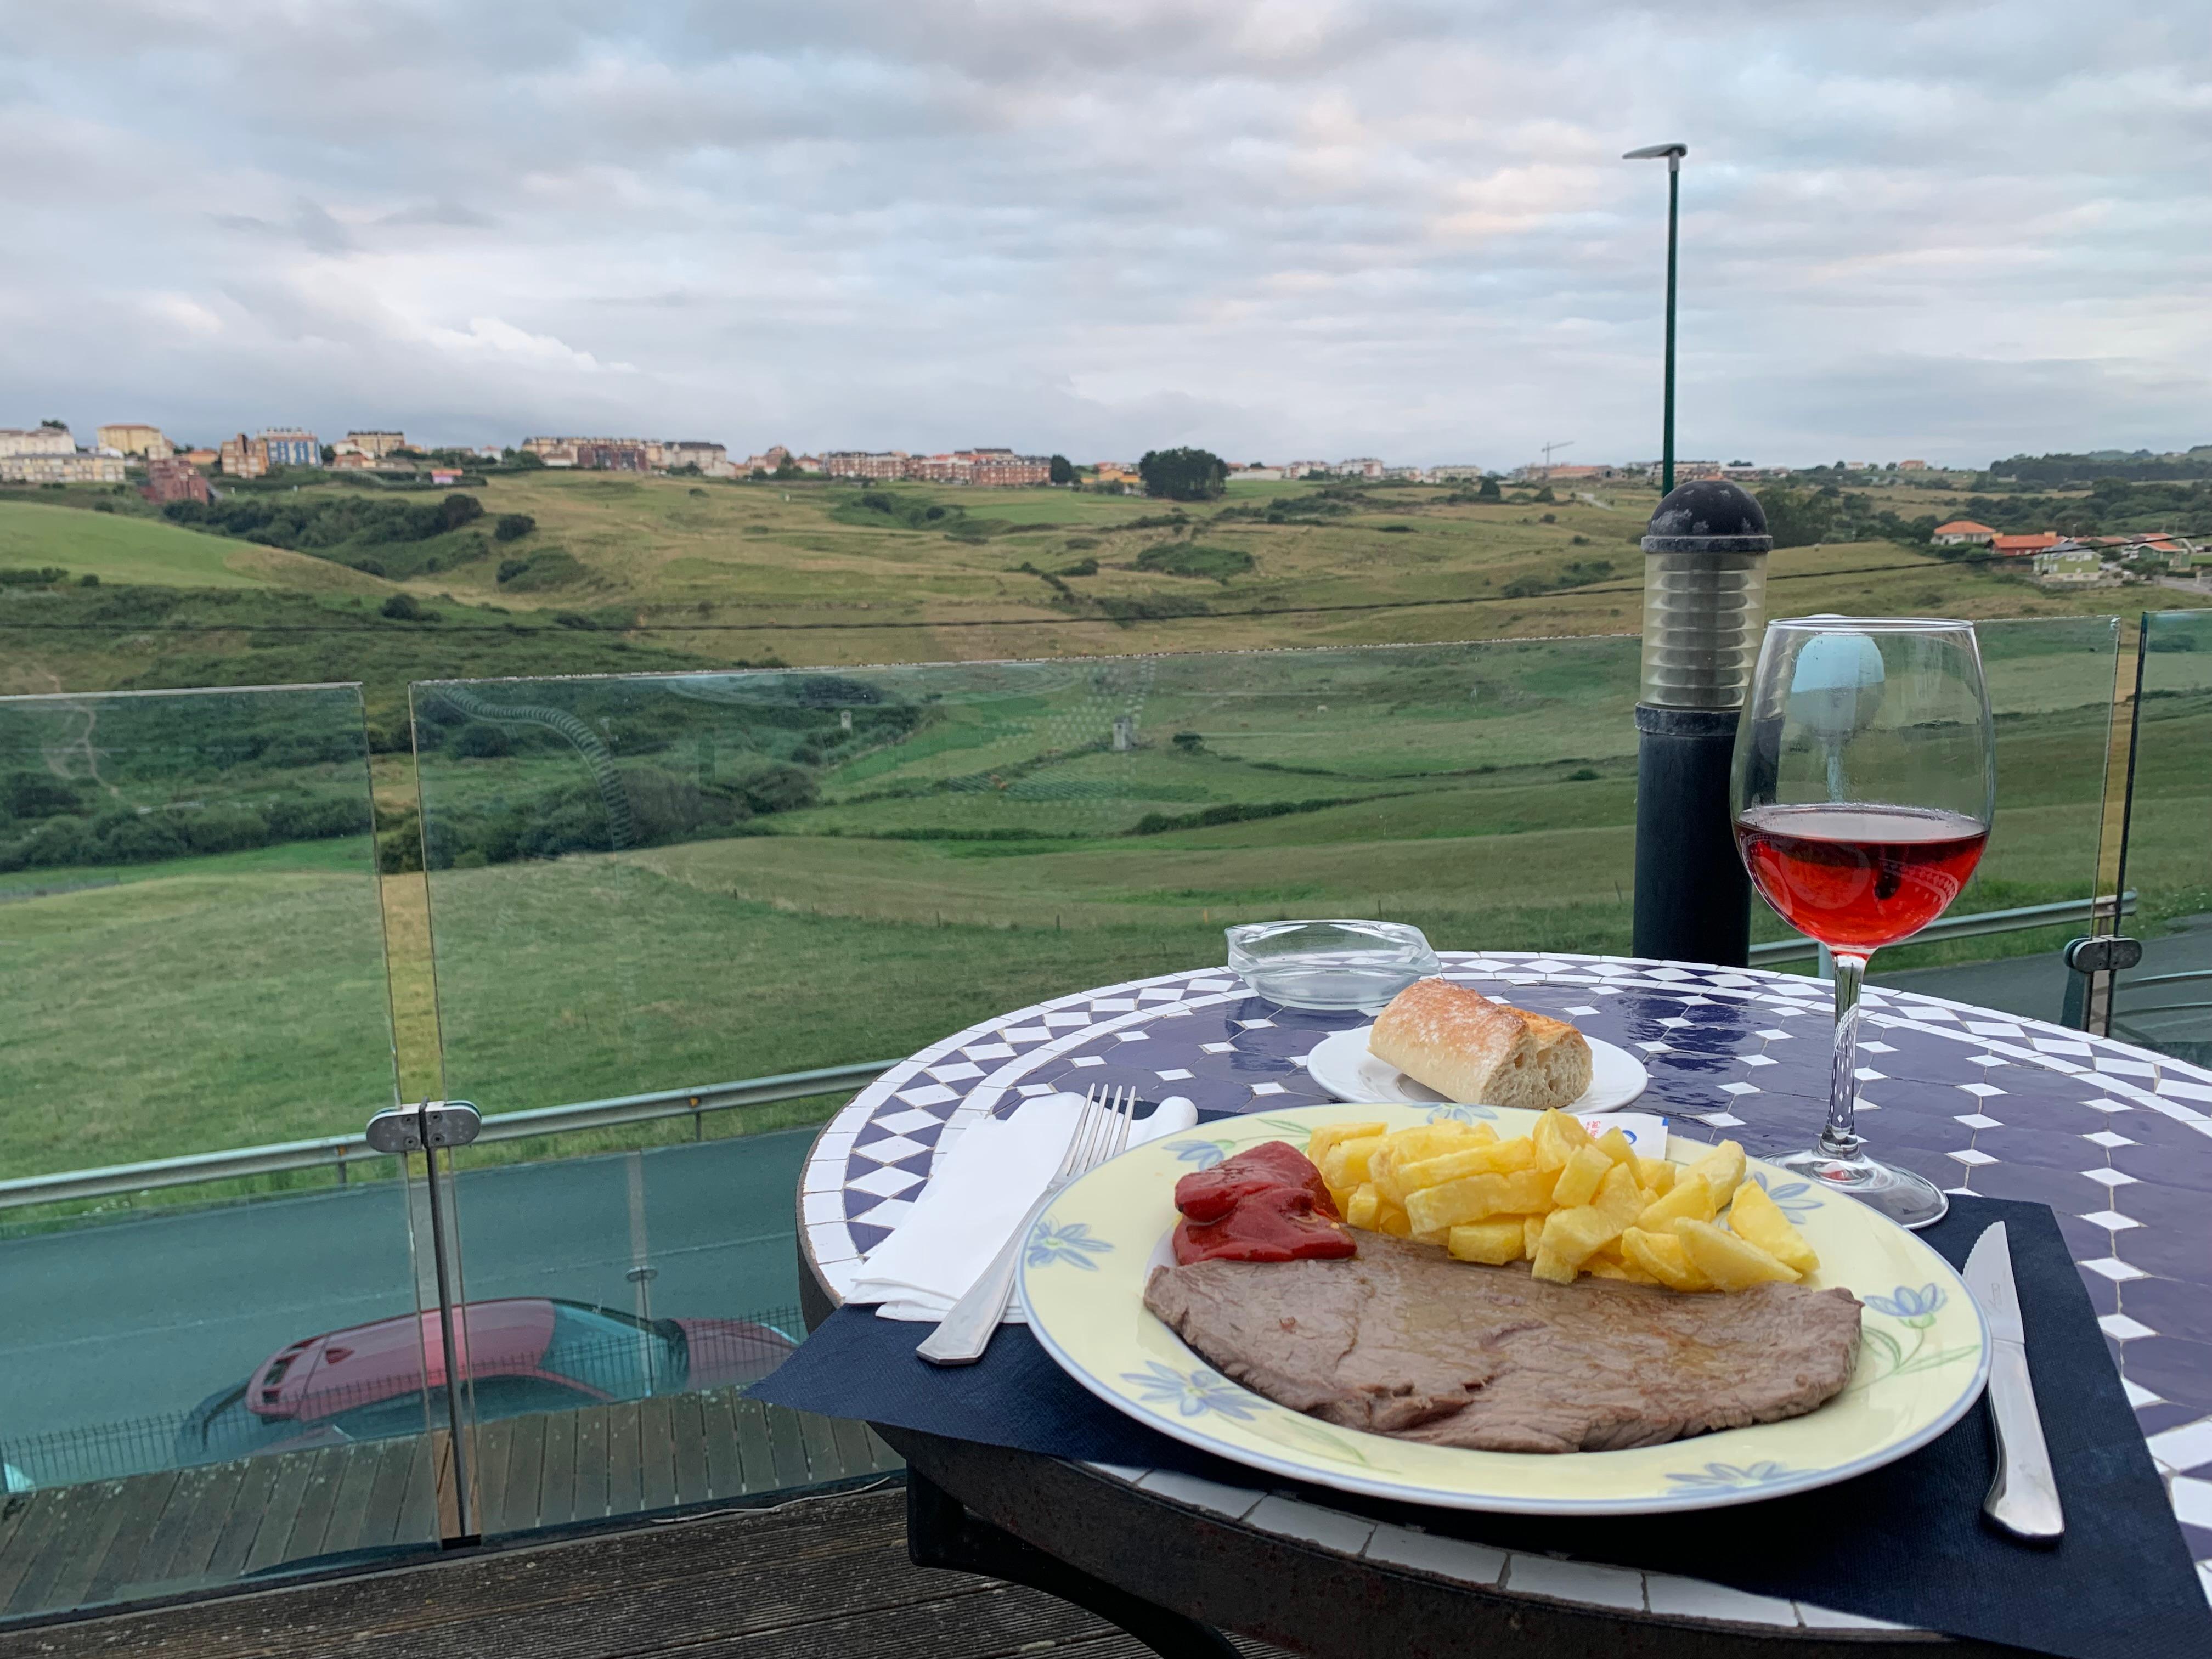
(1344, 1067)
(1923, 1351)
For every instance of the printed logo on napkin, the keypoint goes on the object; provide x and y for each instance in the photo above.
(1646, 1131)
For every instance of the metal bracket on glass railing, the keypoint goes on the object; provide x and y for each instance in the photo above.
(427, 1123)
(430, 1126)
(2091, 963)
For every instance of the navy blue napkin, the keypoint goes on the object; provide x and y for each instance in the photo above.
(1907, 1543)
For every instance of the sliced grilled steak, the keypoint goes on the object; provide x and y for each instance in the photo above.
(1403, 1341)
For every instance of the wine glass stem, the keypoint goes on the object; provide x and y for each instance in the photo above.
(1840, 1135)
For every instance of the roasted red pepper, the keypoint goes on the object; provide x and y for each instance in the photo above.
(1268, 1204)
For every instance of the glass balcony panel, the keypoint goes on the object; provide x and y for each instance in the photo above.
(2166, 1002)
(2051, 686)
(192, 962)
(663, 883)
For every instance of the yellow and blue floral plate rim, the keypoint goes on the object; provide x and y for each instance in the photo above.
(1923, 1353)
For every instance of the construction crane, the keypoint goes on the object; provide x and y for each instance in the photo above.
(1549, 448)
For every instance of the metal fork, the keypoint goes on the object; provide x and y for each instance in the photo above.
(1102, 1130)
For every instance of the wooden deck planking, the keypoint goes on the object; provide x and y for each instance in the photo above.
(201, 1508)
(726, 1470)
(825, 1579)
(625, 1462)
(656, 1454)
(349, 1510)
(591, 1498)
(43, 1517)
(487, 1469)
(249, 1510)
(286, 1496)
(106, 1550)
(790, 1449)
(687, 1450)
(102, 1541)
(757, 1451)
(316, 1503)
(385, 1517)
(526, 1469)
(91, 1519)
(557, 1489)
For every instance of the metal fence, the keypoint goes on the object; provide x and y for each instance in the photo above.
(336, 1151)
(622, 1367)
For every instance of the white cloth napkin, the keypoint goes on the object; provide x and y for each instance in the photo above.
(977, 1194)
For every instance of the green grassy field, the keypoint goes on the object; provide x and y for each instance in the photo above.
(147, 552)
(990, 848)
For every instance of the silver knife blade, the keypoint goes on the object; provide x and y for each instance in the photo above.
(1988, 1274)
(2023, 1498)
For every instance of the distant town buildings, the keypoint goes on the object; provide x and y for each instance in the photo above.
(371, 445)
(289, 445)
(48, 455)
(35, 440)
(174, 478)
(993, 468)
(77, 467)
(712, 459)
(870, 466)
(243, 457)
(138, 442)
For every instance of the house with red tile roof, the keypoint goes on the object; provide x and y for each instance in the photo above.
(1962, 532)
(2013, 547)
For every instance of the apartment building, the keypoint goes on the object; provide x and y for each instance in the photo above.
(1002, 469)
(873, 465)
(139, 442)
(373, 444)
(591, 454)
(76, 466)
(172, 479)
(713, 459)
(242, 456)
(290, 445)
(35, 440)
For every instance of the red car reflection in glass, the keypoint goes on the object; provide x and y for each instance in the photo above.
(521, 1354)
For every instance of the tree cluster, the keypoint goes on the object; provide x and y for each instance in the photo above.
(1184, 474)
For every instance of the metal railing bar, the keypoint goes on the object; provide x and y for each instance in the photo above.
(1966, 927)
(328, 1151)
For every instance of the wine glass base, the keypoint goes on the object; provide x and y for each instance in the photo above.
(1903, 1196)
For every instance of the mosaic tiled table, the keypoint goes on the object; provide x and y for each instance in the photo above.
(2117, 1141)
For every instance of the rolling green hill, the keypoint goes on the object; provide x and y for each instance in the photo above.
(120, 548)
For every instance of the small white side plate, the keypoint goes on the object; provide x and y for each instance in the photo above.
(1343, 1065)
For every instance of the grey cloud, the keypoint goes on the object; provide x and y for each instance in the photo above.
(1286, 224)
(441, 211)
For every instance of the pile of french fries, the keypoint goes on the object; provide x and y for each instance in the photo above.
(1565, 1203)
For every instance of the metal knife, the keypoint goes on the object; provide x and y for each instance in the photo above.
(2024, 1497)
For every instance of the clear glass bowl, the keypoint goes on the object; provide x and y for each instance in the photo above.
(1331, 965)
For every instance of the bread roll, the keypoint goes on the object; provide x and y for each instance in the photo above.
(1475, 1051)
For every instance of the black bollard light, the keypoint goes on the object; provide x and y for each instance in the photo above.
(1705, 589)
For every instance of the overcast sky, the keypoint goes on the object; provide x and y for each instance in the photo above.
(1292, 230)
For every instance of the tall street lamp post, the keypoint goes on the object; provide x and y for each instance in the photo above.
(1674, 153)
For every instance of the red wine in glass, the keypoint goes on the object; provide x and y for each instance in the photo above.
(1858, 877)
(1865, 783)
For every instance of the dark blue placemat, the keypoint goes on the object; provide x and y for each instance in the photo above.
(1907, 1543)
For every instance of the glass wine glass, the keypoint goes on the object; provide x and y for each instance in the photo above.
(1865, 782)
